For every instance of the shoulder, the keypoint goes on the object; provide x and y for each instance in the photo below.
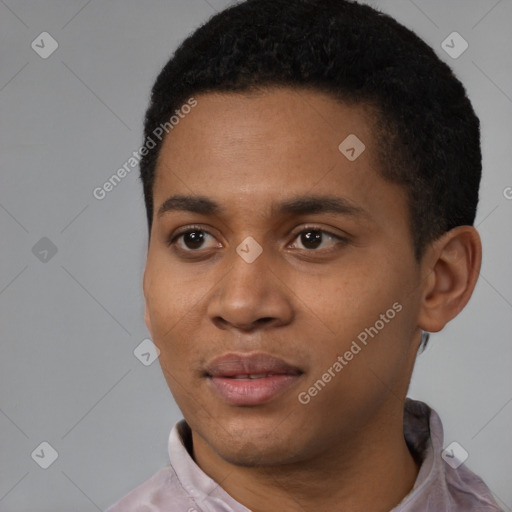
(439, 486)
(468, 491)
(162, 492)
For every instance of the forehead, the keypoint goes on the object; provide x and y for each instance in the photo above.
(257, 148)
(309, 117)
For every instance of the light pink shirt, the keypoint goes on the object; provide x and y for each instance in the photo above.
(184, 487)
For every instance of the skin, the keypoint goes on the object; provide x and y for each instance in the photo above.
(344, 450)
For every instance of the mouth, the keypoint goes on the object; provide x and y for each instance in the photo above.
(244, 380)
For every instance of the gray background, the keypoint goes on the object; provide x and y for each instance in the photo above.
(70, 324)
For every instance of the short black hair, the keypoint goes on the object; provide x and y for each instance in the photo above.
(426, 131)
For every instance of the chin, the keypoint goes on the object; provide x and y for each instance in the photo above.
(250, 446)
(252, 454)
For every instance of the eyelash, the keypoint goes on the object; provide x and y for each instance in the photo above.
(193, 228)
(184, 231)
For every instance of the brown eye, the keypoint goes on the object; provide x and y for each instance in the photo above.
(193, 239)
(311, 239)
(314, 239)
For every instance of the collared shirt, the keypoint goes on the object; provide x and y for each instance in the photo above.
(184, 487)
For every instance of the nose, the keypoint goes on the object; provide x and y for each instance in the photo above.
(250, 297)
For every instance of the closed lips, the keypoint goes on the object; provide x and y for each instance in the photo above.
(254, 376)
(249, 366)
(249, 380)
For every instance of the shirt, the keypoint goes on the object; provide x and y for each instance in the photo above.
(183, 486)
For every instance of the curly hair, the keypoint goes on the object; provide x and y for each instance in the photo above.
(426, 131)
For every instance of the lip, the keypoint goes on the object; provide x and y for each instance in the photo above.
(229, 377)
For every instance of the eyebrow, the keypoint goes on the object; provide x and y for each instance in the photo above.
(194, 204)
(301, 205)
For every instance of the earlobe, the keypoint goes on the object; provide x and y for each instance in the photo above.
(452, 266)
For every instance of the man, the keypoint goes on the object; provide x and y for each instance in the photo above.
(311, 181)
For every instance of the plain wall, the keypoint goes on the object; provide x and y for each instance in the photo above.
(70, 324)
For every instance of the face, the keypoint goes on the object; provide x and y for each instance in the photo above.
(274, 254)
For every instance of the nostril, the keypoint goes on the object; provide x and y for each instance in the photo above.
(220, 322)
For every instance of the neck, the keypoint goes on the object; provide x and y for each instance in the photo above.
(372, 472)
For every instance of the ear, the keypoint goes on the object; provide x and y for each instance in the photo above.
(451, 268)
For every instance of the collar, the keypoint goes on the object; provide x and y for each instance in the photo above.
(206, 492)
(423, 433)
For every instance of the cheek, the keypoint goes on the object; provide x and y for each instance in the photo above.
(172, 304)
(350, 298)
(358, 311)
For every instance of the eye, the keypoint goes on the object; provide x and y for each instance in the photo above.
(316, 238)
(192, 239)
